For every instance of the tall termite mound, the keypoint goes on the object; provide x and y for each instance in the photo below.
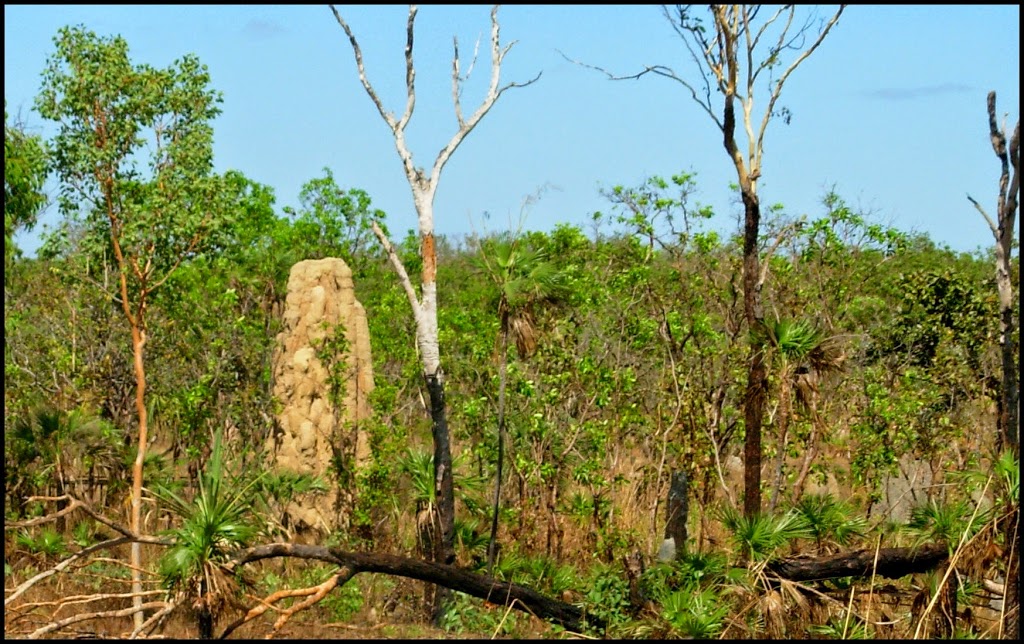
(322, 378)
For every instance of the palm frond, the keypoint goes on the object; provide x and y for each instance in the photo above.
(764, 534)
(217, 520)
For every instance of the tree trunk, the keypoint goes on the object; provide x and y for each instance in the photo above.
(892, 563)
(492, 545)
(1009, 416)
(138, 345)
(757, 374)
(443, 485)
(204, 615)
(678, 511)
(515, 596)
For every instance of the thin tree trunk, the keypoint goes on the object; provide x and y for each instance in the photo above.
(423, 188)
(757, 373)
(1010, 412)
(204, 616)
(443, 485)
(805, 466)
(502, 379)
(138, 345)
(782, 428)
(1011, 597)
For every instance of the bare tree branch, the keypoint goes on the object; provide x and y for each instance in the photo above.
(83, 617)
(396, 263)
(777, 90)
(659, 70)
(387, 116)
(522, 598)
(493, 92)
(127, 536)
(991, 224)
(397, 127)
(781, 237)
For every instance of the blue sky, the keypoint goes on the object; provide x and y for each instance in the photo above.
(890, 110)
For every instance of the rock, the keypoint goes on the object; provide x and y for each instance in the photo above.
(312, 421)
(667, 550)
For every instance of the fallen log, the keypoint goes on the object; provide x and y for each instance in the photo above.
(519, 597)
(891, 563)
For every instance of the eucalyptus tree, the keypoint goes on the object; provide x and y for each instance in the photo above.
(134, 154)
(739, 56)
(424, 188)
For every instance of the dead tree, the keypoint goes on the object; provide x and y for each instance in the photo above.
(1002, 229)
(350, 564)
(1009, 400)
(739, 56)
(424, 305)
(892, 563)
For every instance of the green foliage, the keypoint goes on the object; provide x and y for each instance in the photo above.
(1006, 471)
(45, 448)
(83, 534)
(345, 602)
(24, 174)
(522, 272)
(215, 522)
(692, 568)
(47, 543)
(607, 595)
(1003, 479)
(467, 614)
(470, 541)
(284, 485)
(843, 627)
(764, 535)
(336, 223)
(831, 520)
(418, 465)
(539, 572)
(653, 210)
(134, 151)
(695, 612)
(940, 306)
(950, 522)
(794, 339)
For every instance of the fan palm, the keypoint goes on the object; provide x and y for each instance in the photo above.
(524, 276)
(215, 522)
(830, 519)
(803, 355)
(764, 534)
(418, 465)
(50, 447)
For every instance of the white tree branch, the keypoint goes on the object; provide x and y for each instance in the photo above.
(777, 90)
(493, 92)
(991, 224)
(396, 263)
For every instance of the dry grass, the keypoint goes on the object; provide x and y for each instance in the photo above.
(636, 517)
